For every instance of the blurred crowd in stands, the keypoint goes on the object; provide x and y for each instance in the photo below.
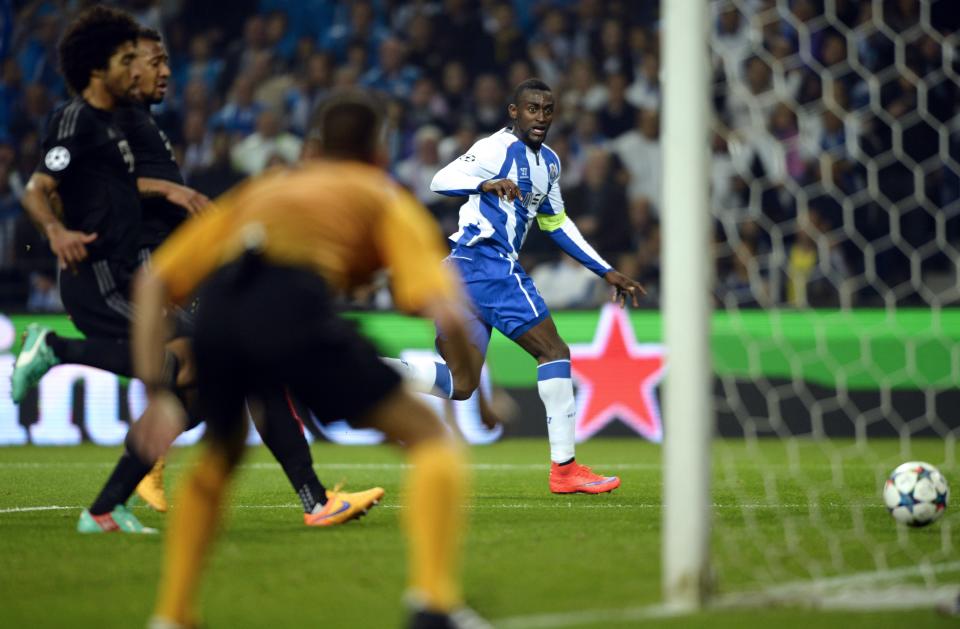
(835, 127)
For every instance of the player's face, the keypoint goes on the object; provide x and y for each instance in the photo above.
(532, 116)
(123, 73)
(154, 70)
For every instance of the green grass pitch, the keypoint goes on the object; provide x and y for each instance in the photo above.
(532, 559)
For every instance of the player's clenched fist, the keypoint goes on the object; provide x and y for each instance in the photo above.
(503, 188)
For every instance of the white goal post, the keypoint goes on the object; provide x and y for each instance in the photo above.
(688, 414)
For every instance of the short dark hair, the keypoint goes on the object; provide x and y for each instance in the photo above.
(150, 34)
(348, 125)
(529, 84)
(89, 42)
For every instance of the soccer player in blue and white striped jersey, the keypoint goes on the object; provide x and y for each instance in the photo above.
(510, 179)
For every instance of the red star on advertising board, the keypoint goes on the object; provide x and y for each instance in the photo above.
(616, 378)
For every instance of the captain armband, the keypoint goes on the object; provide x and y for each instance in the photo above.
(551, 222)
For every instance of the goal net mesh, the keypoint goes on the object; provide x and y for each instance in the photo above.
(834, 198)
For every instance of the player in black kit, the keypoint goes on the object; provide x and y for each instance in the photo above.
(84, 198)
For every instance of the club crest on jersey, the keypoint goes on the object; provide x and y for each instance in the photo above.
(57, 158)
(524, 172)
(554, 172)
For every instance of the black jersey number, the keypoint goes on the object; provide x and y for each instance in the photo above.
(127, 155)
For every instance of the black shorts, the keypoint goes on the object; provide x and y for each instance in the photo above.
(259, 326)
(96, 296)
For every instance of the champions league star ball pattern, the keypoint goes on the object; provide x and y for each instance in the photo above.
(916, 493)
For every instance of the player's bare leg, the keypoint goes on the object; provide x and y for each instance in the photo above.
(555, 386)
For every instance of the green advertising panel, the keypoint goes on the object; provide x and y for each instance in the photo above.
(861, 349)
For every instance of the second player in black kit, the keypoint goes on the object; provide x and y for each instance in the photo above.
(154, 160)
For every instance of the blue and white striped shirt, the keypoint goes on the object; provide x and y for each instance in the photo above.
(487, 218)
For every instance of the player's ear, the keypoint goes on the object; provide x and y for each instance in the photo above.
(512, 110)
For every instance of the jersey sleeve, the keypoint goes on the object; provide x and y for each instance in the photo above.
(410, 245)
(464, 175)
(553, 220)
(67, 138)
(194, 251)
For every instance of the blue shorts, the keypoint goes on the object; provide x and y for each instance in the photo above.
(502, 294)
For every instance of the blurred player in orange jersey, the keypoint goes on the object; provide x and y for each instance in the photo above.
(267, 261)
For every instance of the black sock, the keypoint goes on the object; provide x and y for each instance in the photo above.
(282, 435)
(112, 355)
(128, 473)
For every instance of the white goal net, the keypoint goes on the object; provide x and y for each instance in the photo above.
(835, 204)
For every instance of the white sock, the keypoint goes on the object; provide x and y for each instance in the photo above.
(556, 391)
(424, 375)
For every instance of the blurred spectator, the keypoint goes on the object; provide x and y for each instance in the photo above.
(459, 142)
(362, 28)
(644, 92)
(220, 175)
(200, 66)
(455, 86)
(422, 52)
(460, 36)
(197, 151)
(751, 98)
(565, 283)
(417, 171)
(509, 44)
(617, 116)
(599, 205)
(309, 90)
(427, 107)
(30, 114)
(639, 150)
(252, 154)
(240, 54)
(279, 38)
(731, 38)
(241, 111)
(37, 58)
(582, 93)
(816, 269)
(391, 75)
(742, 286)
(611, 56)
(488, 107)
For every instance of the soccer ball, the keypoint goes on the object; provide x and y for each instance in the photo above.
(916, 493)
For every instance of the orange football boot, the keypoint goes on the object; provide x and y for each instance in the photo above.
(575, 478)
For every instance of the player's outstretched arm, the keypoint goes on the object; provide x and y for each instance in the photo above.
(187, 198)
(68, 245)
